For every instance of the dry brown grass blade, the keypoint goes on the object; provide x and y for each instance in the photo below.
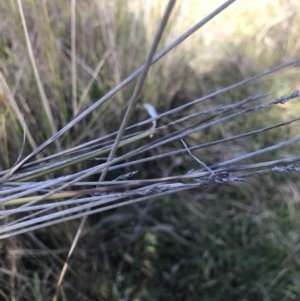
(66, 264)
(36, 74)
(73, 57)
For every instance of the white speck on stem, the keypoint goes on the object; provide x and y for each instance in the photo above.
(152, 112)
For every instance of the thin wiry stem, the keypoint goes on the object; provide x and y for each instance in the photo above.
(198, 160)
(155, 192)
(196, 175)
(256, 153)
(80, 62)
(107, 195)
(95, 143)
(221, 141)
(119, 87)
(84, 213)
(166, 139)
(139, 84)
(121, 130)
(201, 99)
(93, 170)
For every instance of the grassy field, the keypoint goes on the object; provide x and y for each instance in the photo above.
(225, 242)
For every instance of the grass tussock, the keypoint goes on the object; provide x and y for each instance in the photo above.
(219, 158)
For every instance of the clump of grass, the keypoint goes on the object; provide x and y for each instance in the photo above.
(208, 243)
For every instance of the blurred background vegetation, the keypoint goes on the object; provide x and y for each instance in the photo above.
(238, 242)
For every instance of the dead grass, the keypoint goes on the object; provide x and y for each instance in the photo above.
(236, 242)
